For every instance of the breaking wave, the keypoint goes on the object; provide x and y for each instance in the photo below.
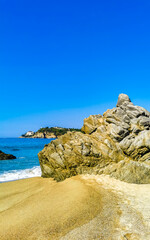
(20, 174)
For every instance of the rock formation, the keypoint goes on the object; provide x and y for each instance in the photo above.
(117, 143)
(31, 134)
(46, 132)
(43, 135)
(4, 156)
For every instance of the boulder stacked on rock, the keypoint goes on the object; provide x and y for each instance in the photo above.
(4, 156)
(117, 143)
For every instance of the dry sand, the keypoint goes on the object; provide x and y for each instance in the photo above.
(83, 207)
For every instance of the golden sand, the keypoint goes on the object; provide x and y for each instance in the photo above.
(40, 208)
(80, 208)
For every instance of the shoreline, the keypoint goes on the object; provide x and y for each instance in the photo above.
(39, 208)
(20, 179)
(37, 137)
(82, 207)
(14, 175)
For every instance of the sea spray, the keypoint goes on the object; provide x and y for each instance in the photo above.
(20, 174)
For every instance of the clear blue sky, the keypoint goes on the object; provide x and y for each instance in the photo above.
(61, 61)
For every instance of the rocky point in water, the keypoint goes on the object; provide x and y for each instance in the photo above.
(4, 156)
(116, 144)
(49, 132)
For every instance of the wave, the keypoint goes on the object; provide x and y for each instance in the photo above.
(20, 174)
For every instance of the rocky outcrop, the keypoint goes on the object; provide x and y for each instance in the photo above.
(117, 143)
(46, 132)
(43, 135)
(31, 134)
(4, 156)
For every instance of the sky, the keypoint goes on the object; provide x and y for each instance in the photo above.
(61, 61)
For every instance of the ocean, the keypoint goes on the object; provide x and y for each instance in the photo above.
(26, 164)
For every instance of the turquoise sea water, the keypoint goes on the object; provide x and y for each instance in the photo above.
(27, 163)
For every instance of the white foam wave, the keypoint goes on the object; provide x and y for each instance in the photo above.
(20, 174)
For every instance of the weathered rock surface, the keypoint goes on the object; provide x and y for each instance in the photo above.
(117, 143)
(43, 135)
(4, 156)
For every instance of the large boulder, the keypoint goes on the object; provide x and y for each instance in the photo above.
(4, 156)
(117, 143)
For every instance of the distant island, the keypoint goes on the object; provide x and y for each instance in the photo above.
(49, 132)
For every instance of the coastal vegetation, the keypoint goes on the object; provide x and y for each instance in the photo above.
(49, 132)
(57, 131)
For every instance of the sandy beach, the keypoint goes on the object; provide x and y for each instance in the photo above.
(82, 207)
(40, 208)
